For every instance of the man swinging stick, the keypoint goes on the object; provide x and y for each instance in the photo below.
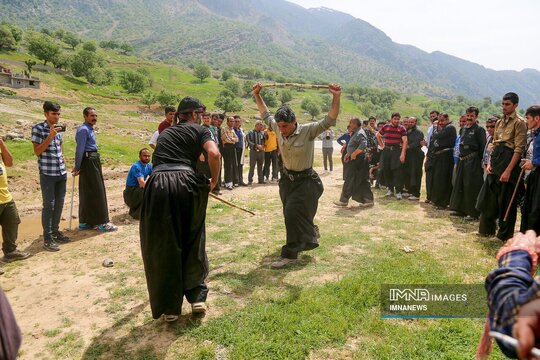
(300, 186)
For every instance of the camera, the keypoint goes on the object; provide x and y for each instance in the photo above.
(62, 128)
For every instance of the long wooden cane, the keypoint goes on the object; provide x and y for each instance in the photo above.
(230, 204)
(513, 195)
(305, 86)
(71, 207)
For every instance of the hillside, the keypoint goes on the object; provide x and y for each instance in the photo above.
(277, 36)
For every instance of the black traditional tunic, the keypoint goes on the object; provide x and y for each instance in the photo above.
(469, 173)
(414, 160)
(93, 208)
(172, 227)
(443, 164)
(357, 175)
(10, 335)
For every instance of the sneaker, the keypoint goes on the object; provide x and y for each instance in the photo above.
(414, 198)
(169, 318)
(198, 308)
(282, 262)
(389, 193)
(399, 196)
(84, 226)
(228, 187)
(51, 246)
(366, 204)
(340, 203)
(60, 238)
(108, 227)
(16, 255)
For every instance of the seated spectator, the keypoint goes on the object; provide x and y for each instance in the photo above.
(136, 180)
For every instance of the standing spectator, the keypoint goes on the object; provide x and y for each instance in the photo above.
(509, 141)
(393, 156)
(229, 138)
(239, 148)
(9, 216)
(48, 147)
(490, 130)
(356, 182)
(169, 117)
(433, 117)
(530, 219)
(270, 155)
(217, 120)
(414, 159)
(327, 138)
(153, 140)
(469, 173)
(135, 182)
(255, 140)
(93, 209)
(343, 140)
(203, 166)
(442, 156)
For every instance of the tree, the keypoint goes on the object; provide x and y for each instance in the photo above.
(71, 39)
(311, 107)
(43, 47)
(233, 85)
(326, 102)
(269, 97)
(62, 61)
(133, 81)
(202, 71)
(285, 96)
(165, 98)
(83, 61)
(247, 87)
(109, 44)
(126, 48)
(7, 40)
(100, 76)
(59, 33)
(226, 75)
(227, 101)
(29, 65)
(148, 98)
(90, 46)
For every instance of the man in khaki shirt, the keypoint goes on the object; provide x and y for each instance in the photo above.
(300, 186)
(509, 141)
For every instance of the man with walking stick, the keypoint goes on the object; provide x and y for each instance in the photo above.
(494, 199)
(300, 186)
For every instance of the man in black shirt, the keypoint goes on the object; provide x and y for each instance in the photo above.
(414, 159)
(469, 172)
(173, 214)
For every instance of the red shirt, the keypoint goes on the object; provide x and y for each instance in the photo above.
(393, 135)
(163, 125)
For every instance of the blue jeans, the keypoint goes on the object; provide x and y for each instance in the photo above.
(53, 191)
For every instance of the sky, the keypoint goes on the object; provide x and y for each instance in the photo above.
(498, 34)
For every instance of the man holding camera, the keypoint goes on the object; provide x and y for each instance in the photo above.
(49, 148)
(93, 210)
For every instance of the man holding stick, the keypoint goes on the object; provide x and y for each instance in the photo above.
(300, 186)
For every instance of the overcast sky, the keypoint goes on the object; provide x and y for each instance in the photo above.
(493, 33)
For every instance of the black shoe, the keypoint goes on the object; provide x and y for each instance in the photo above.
(51, 245)
(16, 255)
(216, 192)
(243, 184)
(60, 238)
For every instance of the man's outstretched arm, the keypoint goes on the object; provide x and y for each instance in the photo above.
(258, 99)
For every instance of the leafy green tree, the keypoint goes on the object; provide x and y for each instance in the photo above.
(311, 107)
(165, 98)
(226, 75)
(202, 71)
(326, 102)
(71, 39)
(46, 31)
(285, 96)
(269, 96)
(62, 61)
(7, 40)
(15, 31)
(100, 76)
(83, 61)
(90, 46)
(109, 44)
(148, 98)
(247, 87)
(126, 48)
(228, 102)
(234, 86)
(29, 65)
(59, 33)
(43, 47)
(133, 81)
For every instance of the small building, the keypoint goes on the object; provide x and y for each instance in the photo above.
(17, 81)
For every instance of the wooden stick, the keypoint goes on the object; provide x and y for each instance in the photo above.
(230, 204)
(305, 86)
(513, 195)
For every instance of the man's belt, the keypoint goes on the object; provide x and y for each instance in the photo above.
(92, 153)
(471, 155)
(392, 147)
(443, 151)
(297, 175)
(171, 167)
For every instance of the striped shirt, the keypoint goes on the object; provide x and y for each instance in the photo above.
(51, 161)
(393, 135)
